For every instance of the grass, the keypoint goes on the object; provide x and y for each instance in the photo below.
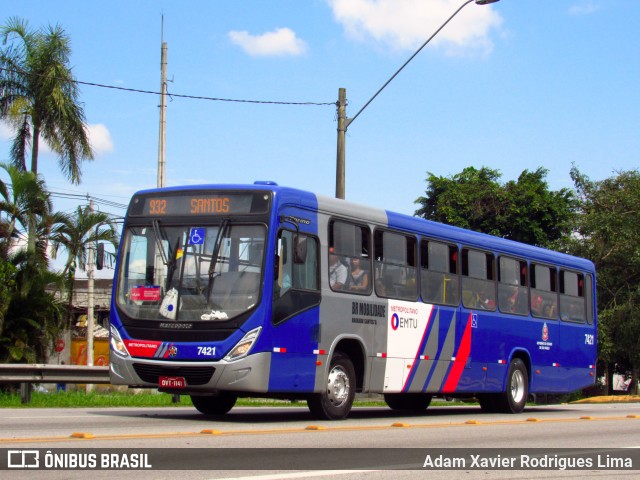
(80, 399)
(106, 399)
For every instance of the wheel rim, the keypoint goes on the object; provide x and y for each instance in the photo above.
(517, 386)
(338, 386)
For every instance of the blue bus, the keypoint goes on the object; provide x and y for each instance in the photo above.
(227, 291)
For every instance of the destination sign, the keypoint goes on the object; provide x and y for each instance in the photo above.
(199, 204)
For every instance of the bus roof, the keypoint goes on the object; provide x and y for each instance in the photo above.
(393, 220)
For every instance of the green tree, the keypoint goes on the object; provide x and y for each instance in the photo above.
(23, 200)
(34, 318)
(524, 210)
(40, 98)
(29, 314)
(75, 234)
(608, 233)
(7, 289)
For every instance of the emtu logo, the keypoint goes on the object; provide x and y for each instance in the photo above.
(395, 321)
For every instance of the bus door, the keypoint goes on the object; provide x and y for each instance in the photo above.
(478, 326)
(295, 316)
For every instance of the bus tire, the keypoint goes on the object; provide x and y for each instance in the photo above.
(214, 405)
(336, 400)
(514, 398)
(408, 402)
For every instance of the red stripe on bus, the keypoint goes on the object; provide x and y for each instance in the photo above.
(461, 360)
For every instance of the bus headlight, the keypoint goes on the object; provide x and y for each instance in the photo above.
(117, 345)
(243, 347)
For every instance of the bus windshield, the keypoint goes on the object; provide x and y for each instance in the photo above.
(190, 273)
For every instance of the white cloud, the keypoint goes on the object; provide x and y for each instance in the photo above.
(406, 24)
(584, 8)
(6, 133)
(100, 138)
(282, 41)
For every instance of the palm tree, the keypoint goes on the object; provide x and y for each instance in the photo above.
(23, 200)
(75, 233)
(34, 318)
(30, 317)
(40, 97)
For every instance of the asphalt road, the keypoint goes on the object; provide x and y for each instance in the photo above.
(370, 440)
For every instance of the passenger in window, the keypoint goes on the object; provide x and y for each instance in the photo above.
(536, 305)
(359, 279)
(337, 271)
(549, 311)
(484, 299)
(509, 302)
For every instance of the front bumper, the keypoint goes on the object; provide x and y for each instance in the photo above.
(249, 374)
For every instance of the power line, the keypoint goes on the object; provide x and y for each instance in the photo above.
(179, 95)
(76, 196)
(84, 197)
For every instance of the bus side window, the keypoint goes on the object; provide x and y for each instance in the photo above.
(296, 263)
(396, 265)
(513, 294)
(478, 285)
(544, 291)
(349, 257)
(439, 273)
(305, 267)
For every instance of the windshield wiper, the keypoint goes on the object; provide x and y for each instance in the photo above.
(158, 235)
(171, 265)
(214, 256)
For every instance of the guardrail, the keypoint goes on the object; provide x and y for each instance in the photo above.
(25, 374)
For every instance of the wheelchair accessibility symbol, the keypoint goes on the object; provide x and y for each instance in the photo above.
(196, 236)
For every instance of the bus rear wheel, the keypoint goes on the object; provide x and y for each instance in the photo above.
(514, 398)
(335, 402)
(214, 405)
(412, 402)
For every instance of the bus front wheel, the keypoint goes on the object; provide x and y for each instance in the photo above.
(335, 402)
(214, 405)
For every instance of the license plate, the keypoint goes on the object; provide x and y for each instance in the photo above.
(171, 382)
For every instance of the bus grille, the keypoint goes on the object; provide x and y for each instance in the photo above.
(193, 375)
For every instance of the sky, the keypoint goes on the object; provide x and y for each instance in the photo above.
(513, 86)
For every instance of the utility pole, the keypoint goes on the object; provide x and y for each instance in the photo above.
(342, 129)
(90, 322)
(163, 111)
